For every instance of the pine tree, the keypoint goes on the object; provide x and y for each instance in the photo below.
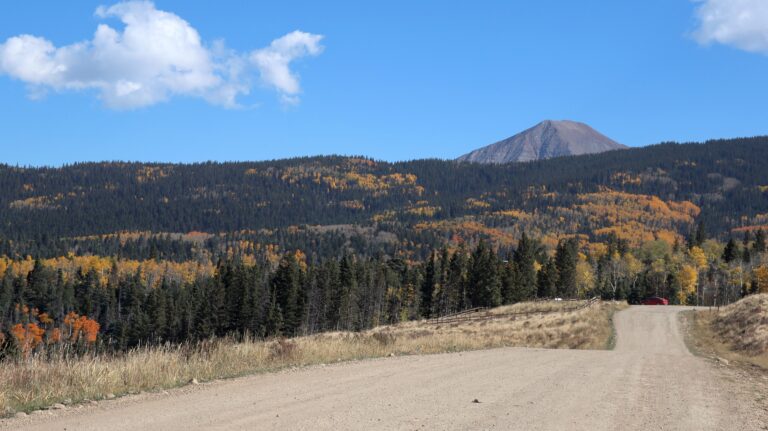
(730, 252)
(210, 317)
(262, 300)
(525, 260)
(760, 242)
(333, 294)
(510, 282)
(566, 257)
(274, 323)
(136, 320)
(428, 287)
(444, 291)
(456, 286)
(182, 314)
(546, 280)
(746, 239)
(86, 292)
(232, 286)
(40, 284)
(701, 234)
(288, 292)
(6, 297)
(746, 256)
(484, 280)
(156, 313)
(348, 291)
(67, 295)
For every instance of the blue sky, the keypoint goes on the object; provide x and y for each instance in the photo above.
(394, 80)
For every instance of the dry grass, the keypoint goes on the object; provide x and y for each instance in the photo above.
(538, 307)
(738, 332)
(745, 324)
(588, 328)
(37, 383)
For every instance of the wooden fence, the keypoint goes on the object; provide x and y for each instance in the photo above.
(478, 313)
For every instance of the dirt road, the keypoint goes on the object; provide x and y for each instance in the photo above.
(649, 382)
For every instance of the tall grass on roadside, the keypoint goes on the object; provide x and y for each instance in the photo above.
(39, 381)
(744, 325)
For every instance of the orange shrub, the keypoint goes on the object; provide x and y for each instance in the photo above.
(54, 336)
(27, 337)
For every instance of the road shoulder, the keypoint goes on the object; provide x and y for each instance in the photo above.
(743, 371)
(703, 341)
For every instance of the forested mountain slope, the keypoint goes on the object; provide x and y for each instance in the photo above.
(638, 193)
(109, 256)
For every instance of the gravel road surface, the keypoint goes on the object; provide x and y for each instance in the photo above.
(649, 382)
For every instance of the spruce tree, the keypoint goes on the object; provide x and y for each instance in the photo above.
(760, 242)
(156, 313)
(6, 297)
(546, 280)
(428, 287)
(286, 285)
(484, 280)
(525, 261)
(333, 294)
(730, 252)
(40, 283)
(456, 284)
(746, 239)
(701, 234)
(746, 256)
(274, 323)
(510, 282)
(566, 257)
(348, 291)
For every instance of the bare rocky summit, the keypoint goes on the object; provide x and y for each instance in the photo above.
(543, 141)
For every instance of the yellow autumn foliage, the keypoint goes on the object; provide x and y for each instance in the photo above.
(698, 257)
(426, 211)
(477, 203)
(354, 205)
(152, 272)
(688, 278)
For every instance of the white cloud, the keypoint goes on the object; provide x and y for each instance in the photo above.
(739, 23)
(154, 57)
(274, 61)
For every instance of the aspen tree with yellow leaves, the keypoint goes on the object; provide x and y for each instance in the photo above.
(689, 279)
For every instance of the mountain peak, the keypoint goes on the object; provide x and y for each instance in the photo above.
(549, 138)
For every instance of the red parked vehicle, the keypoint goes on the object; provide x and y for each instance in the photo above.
(655, 300)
